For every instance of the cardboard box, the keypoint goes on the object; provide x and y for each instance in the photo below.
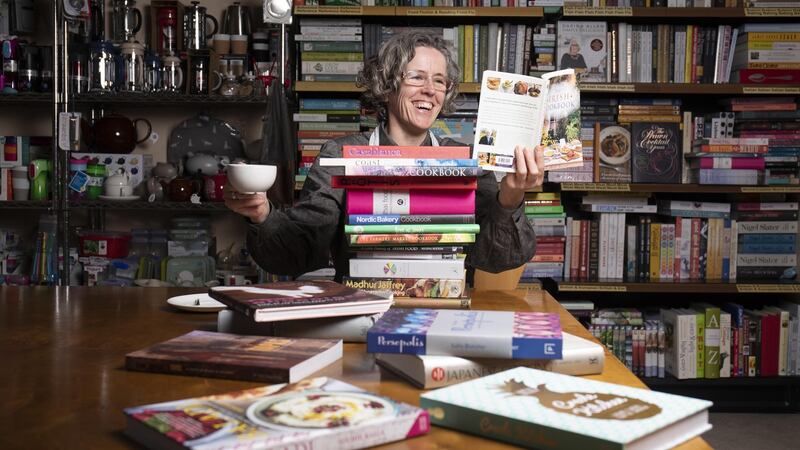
(132, 163)
(151, 19)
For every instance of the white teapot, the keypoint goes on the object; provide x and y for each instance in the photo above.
(118, 184)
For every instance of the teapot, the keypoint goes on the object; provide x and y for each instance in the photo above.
(165, 171)
(181, 189)
(118, 184)
(204, 164)
(214, 187)
(115, 133)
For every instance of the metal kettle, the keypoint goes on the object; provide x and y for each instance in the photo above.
(236, 19)
(194, 26)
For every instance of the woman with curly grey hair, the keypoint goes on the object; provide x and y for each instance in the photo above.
(411, 79)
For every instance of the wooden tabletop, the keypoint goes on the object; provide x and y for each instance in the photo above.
(63, 382)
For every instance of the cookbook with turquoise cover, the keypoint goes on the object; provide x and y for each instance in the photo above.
(539, 409)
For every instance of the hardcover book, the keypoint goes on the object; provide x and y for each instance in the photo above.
(414, 201)
(539, 409)
(480, 334)
(251, 358)
(290, 300)
(582, 46)
(518, 110)
(656, 153)
(579, 357)
(320, 413)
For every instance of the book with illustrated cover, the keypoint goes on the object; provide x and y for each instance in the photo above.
(540, 409)
(656, 153)
(582, 46)
(519, 110)
(477, 334)
(411, 287)
(579, 357)
(251, 358)
(320, 413)
(290, 300)
(613, 144)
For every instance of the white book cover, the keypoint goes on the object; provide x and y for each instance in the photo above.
(582, 46)
(518, 110)
(579, 357)
(766, 227)
(725, 345)
(399, 268)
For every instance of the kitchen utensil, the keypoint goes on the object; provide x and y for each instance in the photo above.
(249, 178)
(115, 133)
(194, 27)
(167, 23)
(133, 67)
(172, 74)
(236, 19)
(126, 20)
(102, 67)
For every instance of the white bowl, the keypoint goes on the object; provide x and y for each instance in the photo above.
(249, 178)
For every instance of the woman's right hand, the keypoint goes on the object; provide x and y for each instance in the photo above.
(253, 206)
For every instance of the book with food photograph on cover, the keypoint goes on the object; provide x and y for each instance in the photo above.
(320, 413)
(238, 357)
(290, 300)
(519, 110)
(538, 409)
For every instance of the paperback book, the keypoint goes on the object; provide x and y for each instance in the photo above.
(518, 110)
(582, 46)
(656, 152)
(480, 334)
(539, 409)
(320, 413)
(290, 300)
(579, 357)
(251, 358)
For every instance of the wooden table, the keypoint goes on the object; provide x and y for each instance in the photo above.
(63, 385)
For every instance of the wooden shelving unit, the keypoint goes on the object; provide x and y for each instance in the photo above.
(696, 287)
(399, 11)
(726, 13)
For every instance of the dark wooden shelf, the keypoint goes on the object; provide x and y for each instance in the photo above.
(680, 13)
(144, 205)
(165, 99)
(762, 394)
(27, 97)
(672, 188)
(696, 287)
(430, 11)
(26, 204)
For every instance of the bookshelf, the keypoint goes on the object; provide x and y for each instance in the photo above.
(778, 394)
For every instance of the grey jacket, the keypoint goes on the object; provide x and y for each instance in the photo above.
(304, 237)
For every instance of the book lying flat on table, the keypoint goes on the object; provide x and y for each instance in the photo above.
(291, 300)
(518, 110)
(554, 411)
(479, 334)
(319, 413)
(579, 357)
(238, 357)
(346, 328)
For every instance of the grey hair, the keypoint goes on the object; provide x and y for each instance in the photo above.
(382, 73)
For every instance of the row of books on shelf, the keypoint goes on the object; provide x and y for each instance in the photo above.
(674, 240)
(704, 340)
(530, 3)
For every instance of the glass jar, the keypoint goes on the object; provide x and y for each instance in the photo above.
(229, 88)
(171, 74)
(152, 73)
(133, 67)
(248, 87)
(102, 67)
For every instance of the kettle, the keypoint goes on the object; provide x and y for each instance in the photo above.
(236, 19)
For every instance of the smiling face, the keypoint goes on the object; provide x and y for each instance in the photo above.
(413, 109)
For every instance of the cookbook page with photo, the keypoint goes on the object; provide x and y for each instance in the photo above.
(517, 110)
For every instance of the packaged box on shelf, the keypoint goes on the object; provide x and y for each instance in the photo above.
(132, 163)
(6, 191)
(156, 27)
(187, 248)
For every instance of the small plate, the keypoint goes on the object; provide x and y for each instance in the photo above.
(196, 303)
(126, 198)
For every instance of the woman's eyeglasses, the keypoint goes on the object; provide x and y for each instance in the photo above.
(417, 78)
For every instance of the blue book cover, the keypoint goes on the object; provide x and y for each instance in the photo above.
(489, 334)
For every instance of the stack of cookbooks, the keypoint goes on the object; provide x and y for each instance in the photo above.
(411, 211)
(313, 309)
(433, 348)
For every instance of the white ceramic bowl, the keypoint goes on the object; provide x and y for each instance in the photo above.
(249, 178)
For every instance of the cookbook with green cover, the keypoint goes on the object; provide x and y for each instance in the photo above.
(539, 409)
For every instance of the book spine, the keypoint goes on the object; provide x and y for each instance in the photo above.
(398, 219)
(405, 171)
(208, 369)
(410, 287)
(398, 268)
(410, 202)
(388, 152)
(341, 182)
(410, 239)
(412, 228)
(436, 303)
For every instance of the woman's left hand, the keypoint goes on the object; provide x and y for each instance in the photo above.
(528, 174)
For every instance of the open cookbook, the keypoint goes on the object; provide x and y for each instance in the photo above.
(519, 110)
